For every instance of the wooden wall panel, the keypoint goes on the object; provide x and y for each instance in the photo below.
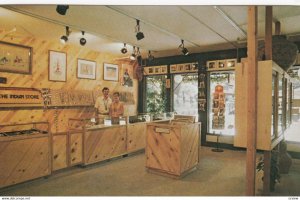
(103, 144)
(39, 79)
(59, 152)
(76, 148)
(22, 160)
(136, 137)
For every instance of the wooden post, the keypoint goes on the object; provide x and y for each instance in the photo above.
(252, 101)
(268, 53)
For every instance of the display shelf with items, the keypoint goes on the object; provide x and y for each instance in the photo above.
(154, 70)
(269, 120)
(226, 64)
(202, 92)
(26, 143)
(221, 103)
(183, 68)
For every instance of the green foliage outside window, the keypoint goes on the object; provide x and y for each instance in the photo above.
(156, 94)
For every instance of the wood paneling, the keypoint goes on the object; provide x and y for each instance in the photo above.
(103, 144)
(76, 148)
(22, 160)
(59, 151)
(39, 79)
(172, 149)
(136, 137)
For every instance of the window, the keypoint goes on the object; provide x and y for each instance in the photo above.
(222, 103)
(185, 92)
(156, 94)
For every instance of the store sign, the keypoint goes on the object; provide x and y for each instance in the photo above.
(20, 96)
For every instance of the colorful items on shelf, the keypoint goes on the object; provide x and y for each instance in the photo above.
(218, 120)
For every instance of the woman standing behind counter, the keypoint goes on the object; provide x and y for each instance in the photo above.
(116, 109)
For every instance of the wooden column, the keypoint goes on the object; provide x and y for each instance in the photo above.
(268, 54)
(252, 101)
(277, 28)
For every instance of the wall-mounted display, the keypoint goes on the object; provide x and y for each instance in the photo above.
(185, 67)
(57, 66)
(15, 58)
(156, 70)
(221, 64)
(86, 69)
(111, 72)
(202, 90)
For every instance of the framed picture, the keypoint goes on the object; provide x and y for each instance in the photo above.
(173, 68)
(111, 72)
(222, 63)
(231, 63)
(57, 66)
(86, 69)
(15, 58)
(164, 69)
(150, 70)
(211, 64)
(157, 70)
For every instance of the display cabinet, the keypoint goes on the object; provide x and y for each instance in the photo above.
(25, 152)
(172, 147)
(270, 103)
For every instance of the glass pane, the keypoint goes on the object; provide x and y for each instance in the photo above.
(273, 103)
(156, 94)
(280, 92)
(186, 94)
(222, 103)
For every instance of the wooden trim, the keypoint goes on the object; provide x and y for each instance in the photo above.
(268, 33)
(252, 101)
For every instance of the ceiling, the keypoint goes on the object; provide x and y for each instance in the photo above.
(203, 28)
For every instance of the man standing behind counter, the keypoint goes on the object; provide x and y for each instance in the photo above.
(103, 104)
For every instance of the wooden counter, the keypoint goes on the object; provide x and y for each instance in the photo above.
(172, 147)
(23, 158)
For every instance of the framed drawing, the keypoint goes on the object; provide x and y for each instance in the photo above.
(111, 72)
(15, 58)
(86, 69)
(57, 66)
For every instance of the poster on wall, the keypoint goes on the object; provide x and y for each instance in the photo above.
(86, 69)
(126, 75)
(15, 58)
(111, 72)
(57, 66)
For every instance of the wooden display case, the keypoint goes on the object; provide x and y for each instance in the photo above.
(25, 152)
(268, 135)
(172, 147)
(136, 137)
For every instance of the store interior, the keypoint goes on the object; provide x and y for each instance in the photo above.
(182, 74)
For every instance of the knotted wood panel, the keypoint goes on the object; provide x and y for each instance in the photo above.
(136, 137)
(76, 148)
(23, 160)
(104, 143)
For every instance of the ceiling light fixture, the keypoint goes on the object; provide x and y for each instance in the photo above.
(62, 9)
(64, 38)
(183, 49)
(133, 55)
(139, 35)
(124, 49)
(82, 40)
(150, 56)
(230, 21)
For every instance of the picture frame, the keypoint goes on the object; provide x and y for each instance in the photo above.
(110, 72)
(86, 69)
(211, 64)
(230, 63)
(164, 69)
(157, 70)
(173, 68)
(15, 58)
(57, 66)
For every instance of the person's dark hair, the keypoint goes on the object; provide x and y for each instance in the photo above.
(105, 88)
(117, 93)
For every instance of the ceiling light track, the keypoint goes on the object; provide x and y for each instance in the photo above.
(187, 12)
(151, 24)
(230, 21)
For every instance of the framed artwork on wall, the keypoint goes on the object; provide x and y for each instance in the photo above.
(111, 72)
(57, 66)
(15, 58)
(86, 69)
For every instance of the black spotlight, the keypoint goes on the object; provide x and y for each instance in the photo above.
(132, 56)
(82, 40)
(62, 9)
(124, 49)
(64, 38)
(183, 49)
(150, 56)
(139, 35)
